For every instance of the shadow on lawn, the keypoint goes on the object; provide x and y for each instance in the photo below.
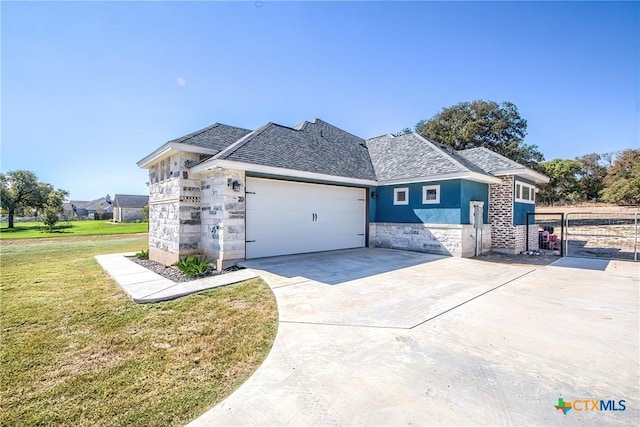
(21, 228)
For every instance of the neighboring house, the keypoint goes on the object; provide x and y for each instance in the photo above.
(128, 207)
(235, 194)
(86, 209)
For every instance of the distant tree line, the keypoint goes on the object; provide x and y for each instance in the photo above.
(22, 194)
(610, 177)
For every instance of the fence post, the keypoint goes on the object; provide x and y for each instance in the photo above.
(527, 232)
(635, 240)
(561, 233)
(566, 240)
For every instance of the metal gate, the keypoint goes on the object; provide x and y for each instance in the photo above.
(611, 235)
(545, 233)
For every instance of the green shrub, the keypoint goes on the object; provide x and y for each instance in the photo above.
(194, 265)
(143, 254)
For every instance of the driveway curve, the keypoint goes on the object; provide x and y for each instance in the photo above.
(387, 337)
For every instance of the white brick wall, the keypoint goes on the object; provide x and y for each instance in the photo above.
(505, 236)
(501, 214)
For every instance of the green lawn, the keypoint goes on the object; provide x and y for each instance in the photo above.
(33, 230)
(76, 351)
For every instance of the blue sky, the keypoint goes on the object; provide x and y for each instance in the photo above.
(89, 88)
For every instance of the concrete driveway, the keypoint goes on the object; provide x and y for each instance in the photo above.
(385, 337)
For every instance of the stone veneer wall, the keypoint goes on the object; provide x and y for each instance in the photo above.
(223, 216)
(533, 238)
(445, 239)
(174, 210)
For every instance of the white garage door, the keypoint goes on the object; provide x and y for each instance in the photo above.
(286, 217)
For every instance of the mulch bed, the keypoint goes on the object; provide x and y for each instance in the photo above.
(174, 274)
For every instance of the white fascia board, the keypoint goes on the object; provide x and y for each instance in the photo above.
(470, 176)
(527, 173)
(271, 170)
(169, 148)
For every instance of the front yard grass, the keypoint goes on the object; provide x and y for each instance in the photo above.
(76, 351)
(34, 230)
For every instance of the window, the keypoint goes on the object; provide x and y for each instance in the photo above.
(525, 193)
(401, 196)
(430, 194)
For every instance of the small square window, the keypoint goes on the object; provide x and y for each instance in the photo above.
(431, 194)
(401, 196)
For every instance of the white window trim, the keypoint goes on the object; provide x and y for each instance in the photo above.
(395, 196)
(425, 188)
(532, 193)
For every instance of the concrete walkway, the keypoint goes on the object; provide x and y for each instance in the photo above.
(145, 286)
(384, 337)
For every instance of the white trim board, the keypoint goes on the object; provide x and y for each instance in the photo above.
(170, 148)
(271, 170)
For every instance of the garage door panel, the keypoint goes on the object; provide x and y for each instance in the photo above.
(280, 217)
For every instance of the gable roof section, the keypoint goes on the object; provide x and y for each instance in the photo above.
(497, 164)
(216, 137)
(130, 201)
(411, 157)
(208, 141)
(316, 147)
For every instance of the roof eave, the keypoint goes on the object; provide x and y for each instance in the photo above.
(469, 176)
(527, 173)
(169, 148)
(277, 171)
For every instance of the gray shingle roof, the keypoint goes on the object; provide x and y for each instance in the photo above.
(320, 147)
(411, 156)
(312, 147)
(217, 136)
(130, 201)
(489, 161)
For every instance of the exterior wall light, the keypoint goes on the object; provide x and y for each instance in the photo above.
(236, 185)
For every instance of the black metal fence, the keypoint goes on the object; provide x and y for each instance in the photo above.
(545, 232)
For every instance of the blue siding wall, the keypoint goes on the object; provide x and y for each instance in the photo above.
(520, 209)
(520, 212)
(372, 204)
(448, 211)
(475, 191)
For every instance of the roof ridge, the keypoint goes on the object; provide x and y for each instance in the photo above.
(316, 120)
(386, 135)
(242, 141)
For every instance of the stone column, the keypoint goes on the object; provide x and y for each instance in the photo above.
(223, 216)
(174, 210)
(501, 214)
